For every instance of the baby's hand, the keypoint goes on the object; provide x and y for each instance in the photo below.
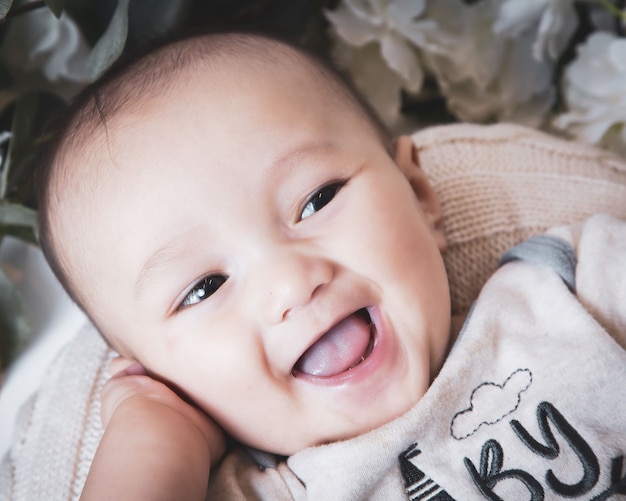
(131, 387)
(155, 445)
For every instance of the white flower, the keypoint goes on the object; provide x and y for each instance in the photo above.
(483, 75)
(373, 78)
(553, 21)
(376, 41)
(391, 24)
(43, 52)
(594, 89)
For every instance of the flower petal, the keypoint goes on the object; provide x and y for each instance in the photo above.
(373, 78)
(402, 59)
(352, 29)
(593, 88)
(372, 11)
(516, 16)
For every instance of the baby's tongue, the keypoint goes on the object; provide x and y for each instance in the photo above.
(338, 350)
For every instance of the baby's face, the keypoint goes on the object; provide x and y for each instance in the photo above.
(266, 255)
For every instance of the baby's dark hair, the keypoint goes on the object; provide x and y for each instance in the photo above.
(152, 73)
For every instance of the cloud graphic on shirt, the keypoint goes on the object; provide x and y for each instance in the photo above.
(490, 403)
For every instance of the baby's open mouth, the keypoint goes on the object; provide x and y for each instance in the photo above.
(342, 348)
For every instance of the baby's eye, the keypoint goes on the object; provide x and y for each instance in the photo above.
(321, 198)
(203, 289)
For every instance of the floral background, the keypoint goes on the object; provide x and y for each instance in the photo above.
(557, 65)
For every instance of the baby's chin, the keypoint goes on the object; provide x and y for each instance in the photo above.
(357, 429)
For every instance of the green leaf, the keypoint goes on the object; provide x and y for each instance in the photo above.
(17, 215)
(22, 129)
(14, 327)
(18, 221)
(25, 233)
(56, 6)
(5, 6)
(111, 44)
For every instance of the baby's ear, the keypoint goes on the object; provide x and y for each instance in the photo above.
(407, 159)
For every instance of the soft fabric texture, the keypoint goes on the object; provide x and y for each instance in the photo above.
(501, 184)
(528, 405)
(59, 429)
(498, 185)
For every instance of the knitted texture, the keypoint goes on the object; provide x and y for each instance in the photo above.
(498, 185)
(59, 429)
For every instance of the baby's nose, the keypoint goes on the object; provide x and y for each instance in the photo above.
(289, 279)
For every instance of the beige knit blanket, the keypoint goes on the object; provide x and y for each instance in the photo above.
(498, 185)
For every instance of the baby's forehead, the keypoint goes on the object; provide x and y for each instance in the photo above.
(228, 71)
(99, 133)
(122, 106)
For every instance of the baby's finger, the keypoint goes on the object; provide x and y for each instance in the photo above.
(123, 386)
(121, 366)
(139, 391)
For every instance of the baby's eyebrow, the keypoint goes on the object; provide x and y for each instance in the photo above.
(285, 161)
(155, 264)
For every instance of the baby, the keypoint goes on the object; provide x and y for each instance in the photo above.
(267, 263)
